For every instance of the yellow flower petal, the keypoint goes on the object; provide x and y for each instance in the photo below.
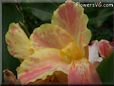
(85, 37)
(49, 35)
(72, 52)
(42, 63)
(18, 43)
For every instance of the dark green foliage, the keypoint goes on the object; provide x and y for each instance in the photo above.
(36, 14)
(100, 23)
(9, 14)
(106, 70)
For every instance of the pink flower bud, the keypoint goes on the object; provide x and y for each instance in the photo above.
(105, 49)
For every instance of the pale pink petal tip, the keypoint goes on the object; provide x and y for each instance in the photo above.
(94, 52)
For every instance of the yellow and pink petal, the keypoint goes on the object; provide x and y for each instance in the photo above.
(17, 42)
(44, 62)
(51, 36)
(82, 72)
(70, 16)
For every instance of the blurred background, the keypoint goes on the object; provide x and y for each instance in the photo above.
(32, 15)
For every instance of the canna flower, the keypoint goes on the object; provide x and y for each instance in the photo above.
(58, 46)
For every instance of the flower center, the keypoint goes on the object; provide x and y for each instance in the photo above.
(72, 52)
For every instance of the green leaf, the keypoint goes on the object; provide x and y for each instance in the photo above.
(42, 11)
(40, 14)
(36, 14)
(102, 16)
(106, 70)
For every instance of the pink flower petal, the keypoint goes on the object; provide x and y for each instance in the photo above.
(105, 49)
(82, 72)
